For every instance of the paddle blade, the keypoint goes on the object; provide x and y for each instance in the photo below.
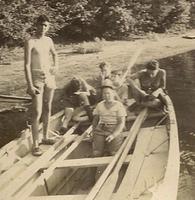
(108, 188)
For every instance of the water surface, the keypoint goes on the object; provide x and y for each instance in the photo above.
(181, 86)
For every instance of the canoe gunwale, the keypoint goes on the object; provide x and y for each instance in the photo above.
(168, 188)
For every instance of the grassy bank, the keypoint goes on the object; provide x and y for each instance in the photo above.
(118, 53)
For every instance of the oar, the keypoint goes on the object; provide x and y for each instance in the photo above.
(131, 63)
(109, 185)
(14, 97)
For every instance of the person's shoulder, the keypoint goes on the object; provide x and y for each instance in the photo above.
(29, 41)
(142, 72)
(118, 103)
(48, 39)
(162, 71)
(100, 103)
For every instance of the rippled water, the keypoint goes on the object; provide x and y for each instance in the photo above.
(181, 86)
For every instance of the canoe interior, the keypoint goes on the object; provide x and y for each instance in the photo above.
(16, 156)
(22, 146)
(71, 176)
(144, 169)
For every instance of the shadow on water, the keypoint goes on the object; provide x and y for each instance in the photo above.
(181, 86)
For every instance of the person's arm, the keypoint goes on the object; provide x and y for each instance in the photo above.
(163, 80)
(95, 121)
(134, 86)
(118, 130)
(27, 68)
(86, 87)
(134, 76)
(162, 85)
(54, 56)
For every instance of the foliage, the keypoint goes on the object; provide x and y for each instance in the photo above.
(86, 19)
(116, 22)
(178, 18)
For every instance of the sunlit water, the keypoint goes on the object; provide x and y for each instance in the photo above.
(181, 86)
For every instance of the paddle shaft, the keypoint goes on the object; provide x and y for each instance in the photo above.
(108, 187)
(131, 63)
(14, 97)
(109, 168)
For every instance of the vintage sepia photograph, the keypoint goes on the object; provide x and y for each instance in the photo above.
(97, 99)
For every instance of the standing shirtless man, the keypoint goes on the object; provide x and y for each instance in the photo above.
(40, 76)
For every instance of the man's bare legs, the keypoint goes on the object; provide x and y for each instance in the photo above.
(36, 115)
(47, 103)
(68, 113)
(81, 114)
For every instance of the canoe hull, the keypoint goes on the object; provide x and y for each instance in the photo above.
(147, 172)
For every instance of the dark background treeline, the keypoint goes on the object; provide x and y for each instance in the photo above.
(85, 19)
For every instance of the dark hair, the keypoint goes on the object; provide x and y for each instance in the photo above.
(73, 86)
(152, 65)
(103, 64)
(42, 18)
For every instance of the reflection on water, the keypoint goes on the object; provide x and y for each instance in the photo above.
(181, 86)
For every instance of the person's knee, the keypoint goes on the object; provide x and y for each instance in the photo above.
(115, 145)
(153, 104)
(84, 99)
(68, 110)
(76, 118)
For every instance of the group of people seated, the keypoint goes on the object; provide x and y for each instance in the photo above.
(108, 105)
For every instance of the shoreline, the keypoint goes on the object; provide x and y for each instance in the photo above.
(118, 53)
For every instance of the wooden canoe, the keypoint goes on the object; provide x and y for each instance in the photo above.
(150, 170)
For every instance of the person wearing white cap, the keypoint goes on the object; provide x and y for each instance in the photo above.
(108, 123)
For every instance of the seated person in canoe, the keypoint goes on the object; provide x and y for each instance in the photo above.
(105, 71)
(40, 76)
(108, 123)
(79, 97)
(152, 82)
(104, 74)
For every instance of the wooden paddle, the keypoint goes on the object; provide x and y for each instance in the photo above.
(131, 63)
(109, 185)
(14, 97)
